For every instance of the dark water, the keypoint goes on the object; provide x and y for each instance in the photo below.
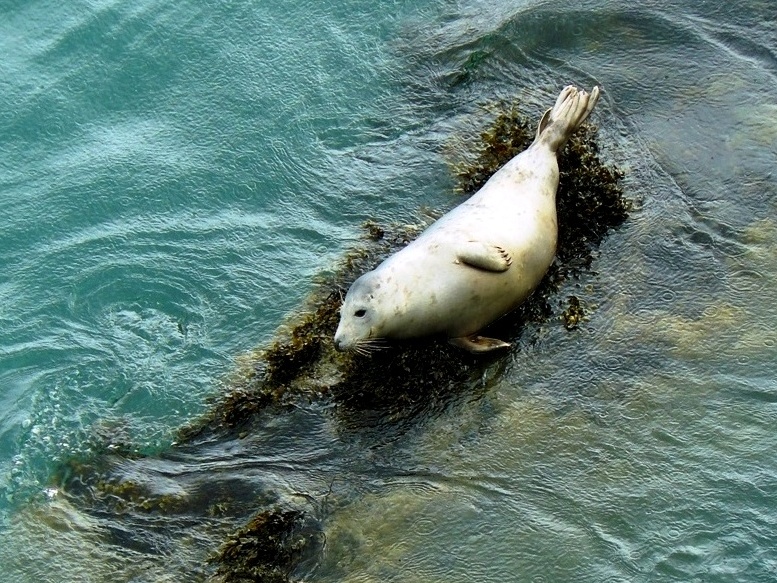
(173, 177)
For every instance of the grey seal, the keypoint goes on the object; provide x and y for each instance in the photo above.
(477, 262)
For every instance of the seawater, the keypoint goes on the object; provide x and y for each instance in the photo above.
(174, 176)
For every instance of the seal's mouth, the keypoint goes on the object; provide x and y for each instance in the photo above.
(364, 346)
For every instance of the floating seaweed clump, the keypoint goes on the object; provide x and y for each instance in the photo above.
(574, 314)
(507, 136)
(589, 201)
(265, 550)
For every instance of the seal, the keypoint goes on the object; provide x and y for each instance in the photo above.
(477, 262)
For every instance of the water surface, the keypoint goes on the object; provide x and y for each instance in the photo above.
(173, 177)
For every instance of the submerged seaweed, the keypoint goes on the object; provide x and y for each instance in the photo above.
(574, 314)
(265, 550)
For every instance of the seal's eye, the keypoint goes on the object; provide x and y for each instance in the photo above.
(360, 313)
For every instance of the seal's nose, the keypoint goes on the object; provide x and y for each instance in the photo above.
(338, 345)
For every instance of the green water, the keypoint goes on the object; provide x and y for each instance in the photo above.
(174, 176)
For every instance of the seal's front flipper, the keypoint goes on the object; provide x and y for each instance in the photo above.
(478, 344)
(484, 256)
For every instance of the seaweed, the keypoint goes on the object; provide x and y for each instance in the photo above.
(589, 201)
(265, 550)
(574, 314)
(508, 135)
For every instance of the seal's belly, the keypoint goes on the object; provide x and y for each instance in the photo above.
(433, 286)
(441, 294)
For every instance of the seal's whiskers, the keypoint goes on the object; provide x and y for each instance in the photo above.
(369, 345)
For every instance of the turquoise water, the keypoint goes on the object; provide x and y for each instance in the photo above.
(173, 176)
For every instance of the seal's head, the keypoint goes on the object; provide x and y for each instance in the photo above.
(361, 316)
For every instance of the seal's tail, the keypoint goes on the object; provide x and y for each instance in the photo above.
(572, 108)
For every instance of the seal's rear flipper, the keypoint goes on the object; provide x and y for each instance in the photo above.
(572, 108)
(477, 344)
(484, 256)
